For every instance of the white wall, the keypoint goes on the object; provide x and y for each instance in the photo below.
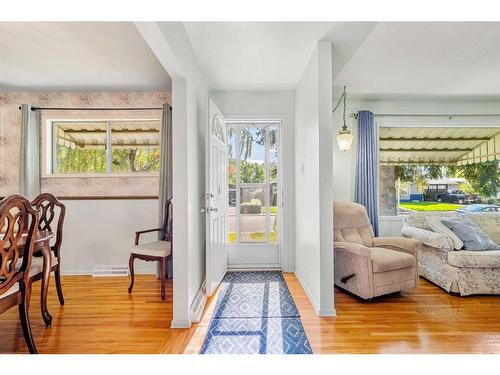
(271, 105)
(102, 232)
(172, 47)
(326, 178)
(390, 226)
(314, 180)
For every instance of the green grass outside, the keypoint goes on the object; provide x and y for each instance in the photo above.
(231, 236)
(255, 236)
(261, 236)
(430, 206)
(272, 210)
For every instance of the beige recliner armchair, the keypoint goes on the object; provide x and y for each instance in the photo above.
(371, 266)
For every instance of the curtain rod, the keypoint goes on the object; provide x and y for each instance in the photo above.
(95, 109)
(450, 116)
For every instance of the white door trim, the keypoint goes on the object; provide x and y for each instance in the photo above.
(287, 243)
(267, 248)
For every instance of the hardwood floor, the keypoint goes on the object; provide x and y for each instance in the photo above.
(427, 320)
(100, 317)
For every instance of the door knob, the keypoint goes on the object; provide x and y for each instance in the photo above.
(209, 209)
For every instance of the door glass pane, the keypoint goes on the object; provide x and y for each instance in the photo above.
(252, 217)
(273, 212)
(253, 184)
(231, 181)
(273, 154)
(252, 155)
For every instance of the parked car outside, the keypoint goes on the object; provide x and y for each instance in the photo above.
(458, 196)
(479, 208)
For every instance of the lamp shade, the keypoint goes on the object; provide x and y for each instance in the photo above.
(344, 139)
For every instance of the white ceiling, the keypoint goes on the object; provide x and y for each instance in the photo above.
(254, 55)
(375, 60)
(372, 59)
(424, 58)
(77, 56)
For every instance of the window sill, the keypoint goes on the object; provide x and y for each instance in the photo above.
(390, 218)
(102, 175)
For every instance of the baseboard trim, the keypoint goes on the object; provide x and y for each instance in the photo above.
(237, 268)
(77, 273)
(199, 302)
(177, 324)
(89, 273)
(327, 312)
(319, 312)
(308, 293)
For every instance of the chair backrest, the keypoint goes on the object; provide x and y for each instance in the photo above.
(167, 226)
(17, 219)
(46, 205)
(351, 223)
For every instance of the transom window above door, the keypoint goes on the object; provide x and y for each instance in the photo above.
(105, 147)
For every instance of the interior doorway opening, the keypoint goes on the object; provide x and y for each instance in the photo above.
(254, 193)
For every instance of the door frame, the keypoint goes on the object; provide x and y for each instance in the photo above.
(282, 227)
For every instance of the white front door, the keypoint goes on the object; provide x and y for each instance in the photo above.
(216, 198)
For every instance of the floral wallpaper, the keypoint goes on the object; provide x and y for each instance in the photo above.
(117, 185)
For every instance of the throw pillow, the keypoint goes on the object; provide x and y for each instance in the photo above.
(471, 235)
(435, 223)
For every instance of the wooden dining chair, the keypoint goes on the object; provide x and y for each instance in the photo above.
(17, 217)
(47, 206)
(158, 251)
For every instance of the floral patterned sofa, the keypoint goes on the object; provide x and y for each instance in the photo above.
(456, 271)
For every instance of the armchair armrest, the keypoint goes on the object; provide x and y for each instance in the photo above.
(437, 240)
(353, 248)
(137, 234)
(406, 245)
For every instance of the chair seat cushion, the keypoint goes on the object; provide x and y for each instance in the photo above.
(37, 264)
(155, 249)
(13, 289)
(384, 260)
(475, 259)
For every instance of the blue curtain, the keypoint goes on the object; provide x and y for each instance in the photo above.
(366, 189)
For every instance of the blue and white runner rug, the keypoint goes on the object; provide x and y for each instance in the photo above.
(255, 314)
